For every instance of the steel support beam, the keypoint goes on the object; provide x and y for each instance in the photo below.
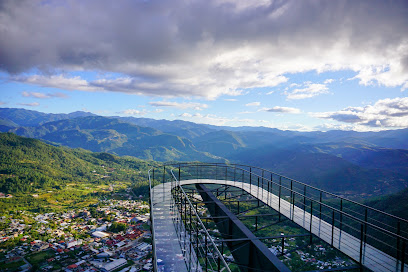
(253, 255)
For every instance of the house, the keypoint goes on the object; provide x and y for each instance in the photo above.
(99, 234)
(115, 264)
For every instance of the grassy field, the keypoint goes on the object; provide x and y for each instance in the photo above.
(11, 266)
(37, 258)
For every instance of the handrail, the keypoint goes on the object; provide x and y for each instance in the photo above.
(301, 183)
(193, 209)
(349, 215)
(316, 201)
(201, 223)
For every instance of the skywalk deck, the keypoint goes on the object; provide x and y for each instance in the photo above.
(169, 249)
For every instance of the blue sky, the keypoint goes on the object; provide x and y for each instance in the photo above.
(310, 65)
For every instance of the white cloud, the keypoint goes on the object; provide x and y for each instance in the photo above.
(311, 90)
(43, 95)
(58, 81)
(385, 113)
(282, 109)
(269, 93)
(133, 112)
(253, 104)
(230, 99)
(328, 81)
(196, 106)
(34, 104)
(185, 114)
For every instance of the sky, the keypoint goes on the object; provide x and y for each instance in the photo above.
(293, 65)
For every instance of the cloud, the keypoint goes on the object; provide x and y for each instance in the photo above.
(203, 48)
(385, 113)
(34, 104)
(2, 103)
(282, 109)
(196, 106)
(328, 81)
(230, 99)
(43, 95)
(311, 90)
(185, 114)
(57, 81)
(216, 120)
(253, 104)
(133, 112)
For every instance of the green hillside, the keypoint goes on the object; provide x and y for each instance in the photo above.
(27, 165)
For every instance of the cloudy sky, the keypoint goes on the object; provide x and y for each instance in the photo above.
(298, 65)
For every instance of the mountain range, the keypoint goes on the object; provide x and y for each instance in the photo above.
(346, 162)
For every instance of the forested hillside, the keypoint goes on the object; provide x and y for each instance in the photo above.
(28, 164)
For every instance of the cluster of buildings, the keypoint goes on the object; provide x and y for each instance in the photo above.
(79, 241)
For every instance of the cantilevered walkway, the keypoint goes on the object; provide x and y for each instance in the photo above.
(374, 239)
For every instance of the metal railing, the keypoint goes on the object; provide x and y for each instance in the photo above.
(370, 226)
(199, 250)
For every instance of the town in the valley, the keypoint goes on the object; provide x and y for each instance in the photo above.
(113, 235)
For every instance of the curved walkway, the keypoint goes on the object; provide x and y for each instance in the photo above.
(373, 258)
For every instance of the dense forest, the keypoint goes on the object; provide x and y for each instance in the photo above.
(29, 167)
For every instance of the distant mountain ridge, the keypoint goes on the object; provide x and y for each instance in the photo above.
(105, 134)
(354, 163)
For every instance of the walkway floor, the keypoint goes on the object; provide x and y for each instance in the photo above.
(168, 248)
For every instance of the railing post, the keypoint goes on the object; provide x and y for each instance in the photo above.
(320, 205)
(403, 256)
(153, 175)
(292, 197)
(341, 214)
(311, 218)
(190, 236)
(164, 173)
(398, 239)
(257, 193)
(304, 198)
(293, 207)
(365, 225)
(280, 191)
(179, 173)
(361, 246)
(250, 179)
(206, 251)
(332, 238)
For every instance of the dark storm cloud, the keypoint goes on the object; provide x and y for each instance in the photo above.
(219, 45)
